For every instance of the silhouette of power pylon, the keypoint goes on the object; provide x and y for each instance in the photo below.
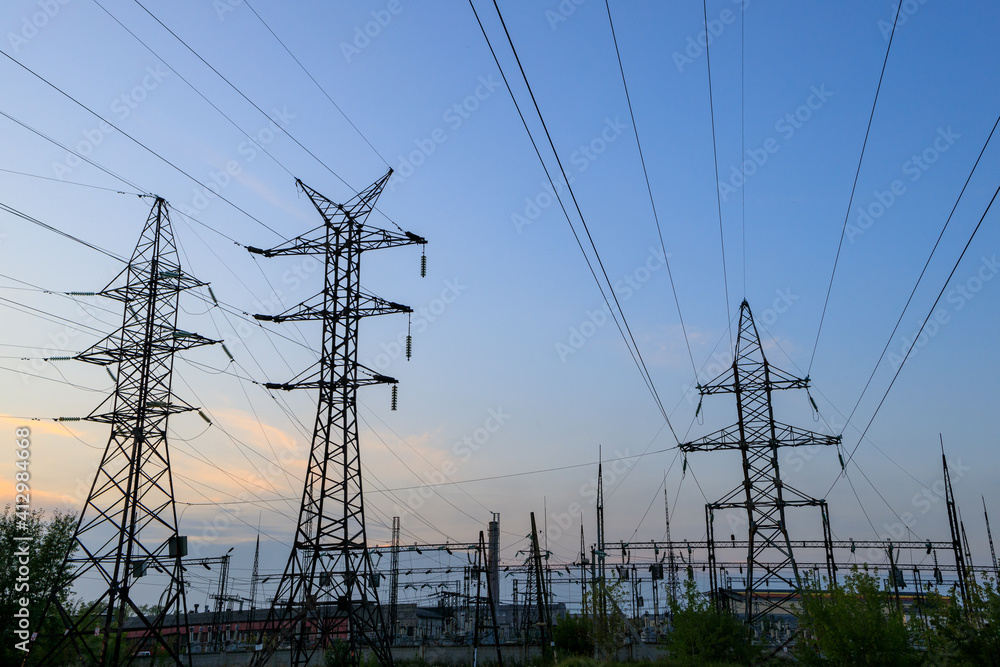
(329, 584)
(762, 495)
(127, 532)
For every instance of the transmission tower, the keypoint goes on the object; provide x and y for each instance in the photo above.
(127, 530)
(762, 495)
(329, 578)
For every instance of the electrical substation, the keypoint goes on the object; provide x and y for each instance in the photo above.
(341, 593)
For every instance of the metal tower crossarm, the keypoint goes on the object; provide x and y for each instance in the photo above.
(329, 579)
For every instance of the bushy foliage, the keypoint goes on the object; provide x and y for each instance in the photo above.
(703, 635)
(572, 635)
(46, 545)
(859, 623)
(852, 623)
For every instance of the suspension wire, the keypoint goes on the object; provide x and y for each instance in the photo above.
(137, 142)
(70, 150)
(860, 504)
(923, 271)
(926, 319)
(255, 106)
(638, 355)
(830, 427)
(649, 189)
(718, 189)
(417, 452)
(36, 221)
(656, 495)
(854, 187)
(59, 180)
(743, 145)
(558, 197)
(198, 92)
(414, 472)
(313, 79)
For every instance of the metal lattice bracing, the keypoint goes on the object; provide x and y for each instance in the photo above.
(127, 532)
(762, 495)
(329, 585)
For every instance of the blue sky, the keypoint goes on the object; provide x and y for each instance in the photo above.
(508, 291)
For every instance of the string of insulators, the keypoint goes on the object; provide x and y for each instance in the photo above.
(82, 293)
(69, 419)
(59, 359)
(203, 416)
(423, 263)
(212, 294)
(409, 339)
(841, 457)
(395, 395)
(684, 468)
(111, 375)
(228, 353)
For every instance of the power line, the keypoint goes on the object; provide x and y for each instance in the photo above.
(718, 189)
(930, 313)
(135, 141)
(70, 150)
(922, 272)
(59, 180)
(313, 79)
(854, 187)
(637, 355)
(255, 106)
(649, 189)
(36, 221)
(198, 92)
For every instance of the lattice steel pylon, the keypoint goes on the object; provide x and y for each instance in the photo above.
(127, 530)
(329, 577)
(762, 495)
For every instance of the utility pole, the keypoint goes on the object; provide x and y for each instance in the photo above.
(583, 571)
(763, 496)
(493, 559)
(254, 576)
(544, 616)
(672, 585)
(329, 578)
(127, 532)
(954, 524)
(482, 567)
(394, 582)
(602, 603)
(989, 535)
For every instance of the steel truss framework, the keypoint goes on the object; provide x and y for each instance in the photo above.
(128, 527)
(762, 495)
(329, 577)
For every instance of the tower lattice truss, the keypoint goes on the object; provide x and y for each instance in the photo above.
(772, 574)
(127, 533)
(329, 586)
